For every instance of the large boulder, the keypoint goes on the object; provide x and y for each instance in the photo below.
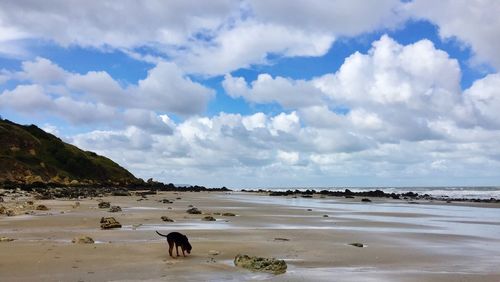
(193, 211)
(104, 205)
(109, 222)
(270, 265)
(83, 240)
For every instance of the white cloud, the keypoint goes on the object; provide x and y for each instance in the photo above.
(475, 23)
(266, 89)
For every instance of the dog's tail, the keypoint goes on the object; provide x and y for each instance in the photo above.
(160, 234)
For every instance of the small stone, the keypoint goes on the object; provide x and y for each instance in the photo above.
(6, 239)
(213, 252)
(167, 219)
(359, 245)
(83, 240)
(10, 212)
(309, 209)
(281, 239)
(228, 214)
(76, 205)
(30, 203)
(217, 213)
(115, 209)
(42, 208)
(325, 215)
(104, 205)
(208, 218)
(366, 200)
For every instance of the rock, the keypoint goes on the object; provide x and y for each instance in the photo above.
(166, 201)
(6, 239)
(104, 205)
(270, 265)
(281, 239)
(83, 240)
(325, 215)
(115, 209)
(109, 222)
(213, 252)
(2, 209)
(30, 203)
(228, 214)
(1, 200)
(366, 200)
(208, 218)
(309, 209)
(349, 197)
(217, 213)
(10, 212)
(167, 219)
(42, 208)
(190, 206)
(359, 245)
(76, 205)
(193, 211)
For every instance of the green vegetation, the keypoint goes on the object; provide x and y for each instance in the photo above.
(30, 155)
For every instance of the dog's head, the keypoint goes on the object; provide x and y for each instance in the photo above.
(187, 246)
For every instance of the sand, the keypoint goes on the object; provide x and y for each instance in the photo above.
(403, 242)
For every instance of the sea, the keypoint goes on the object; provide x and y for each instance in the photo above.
(462, 192)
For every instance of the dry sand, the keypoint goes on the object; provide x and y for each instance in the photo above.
(404, 242)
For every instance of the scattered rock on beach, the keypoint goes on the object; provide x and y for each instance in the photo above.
(193, 211)
(359, 245)
(109, 222)
(325, 215)
(115, 209)
(270, 265)
(42, 208)
(83, 240)
(213, 252)
(167, 219)
(165, 201)
(6, 239)
(228, 214)
(281, 239)
(76, 205)
(104, 205)
(10, 212)
(366, 200)
(208, 218)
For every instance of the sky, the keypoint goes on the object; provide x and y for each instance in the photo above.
(276, 93)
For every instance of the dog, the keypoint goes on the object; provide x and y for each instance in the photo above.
(176, 239)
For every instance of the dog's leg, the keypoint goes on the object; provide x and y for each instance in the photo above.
(177, 249)
(182, 248)
(170, 247)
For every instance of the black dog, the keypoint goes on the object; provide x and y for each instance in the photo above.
(179, 240)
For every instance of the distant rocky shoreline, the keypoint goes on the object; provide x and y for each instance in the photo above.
(410, 196)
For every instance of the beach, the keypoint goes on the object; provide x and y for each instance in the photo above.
(418, 241)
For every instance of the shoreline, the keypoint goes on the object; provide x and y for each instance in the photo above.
(430, 241)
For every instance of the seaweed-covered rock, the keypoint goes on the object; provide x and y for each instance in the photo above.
(193, 211)
(115, 209)
(83, 240)
(42, 208)
(104, 205)
(208, 218)
(109, 222)
(270, 265)
(167, 219)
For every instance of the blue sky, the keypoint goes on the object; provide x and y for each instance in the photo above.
(238, 93)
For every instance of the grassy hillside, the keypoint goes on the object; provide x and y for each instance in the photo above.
(29, 154)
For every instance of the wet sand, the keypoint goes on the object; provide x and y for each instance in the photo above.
(403, 242)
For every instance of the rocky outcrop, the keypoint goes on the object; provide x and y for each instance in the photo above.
(115, 209)
(109, 222)
(83, 240)
(270, 265)
(193, 211)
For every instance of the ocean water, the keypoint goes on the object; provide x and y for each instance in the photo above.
(465, 192)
